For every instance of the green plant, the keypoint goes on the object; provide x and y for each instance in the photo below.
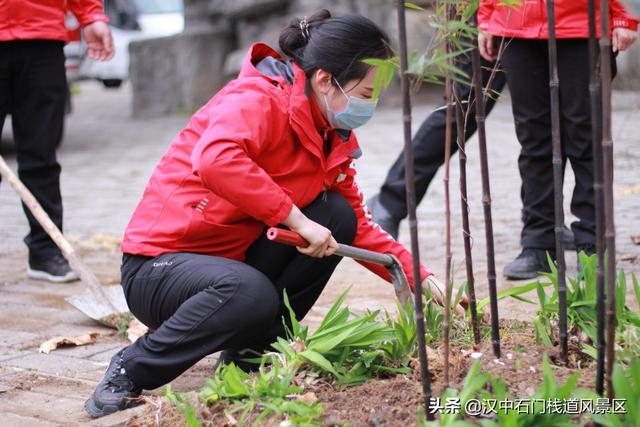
(536, 412)
(271, 391)
(626, 384)
(350, 348)
(474, 383)
(581, 308)
(188, 412)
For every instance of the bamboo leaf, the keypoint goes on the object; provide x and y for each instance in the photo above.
(413, 6)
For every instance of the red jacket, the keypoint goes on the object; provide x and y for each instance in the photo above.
(529, 19)
(243, 160)
(45, 19)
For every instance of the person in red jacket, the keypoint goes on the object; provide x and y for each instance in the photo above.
(524, 31)
(33, 89)
(273, 147)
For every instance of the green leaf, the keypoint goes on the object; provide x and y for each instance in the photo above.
(320, 361)
(295, 325)
(413, 6)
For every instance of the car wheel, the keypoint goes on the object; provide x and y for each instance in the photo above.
(112, 83)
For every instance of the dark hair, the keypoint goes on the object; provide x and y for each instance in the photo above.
(335, 44)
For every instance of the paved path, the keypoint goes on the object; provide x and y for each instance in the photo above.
(107, 158)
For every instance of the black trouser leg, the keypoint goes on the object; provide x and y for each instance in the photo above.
(38, 89)
(429, 145)
(302, 277)
(527, 69)
(198, 305)
(201, 304)
(573, 63)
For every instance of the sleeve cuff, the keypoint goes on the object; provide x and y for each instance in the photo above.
(282, 213)
(90, 19)
(630, 24)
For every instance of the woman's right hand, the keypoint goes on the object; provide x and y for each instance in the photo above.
(486, 47)
(321, 242)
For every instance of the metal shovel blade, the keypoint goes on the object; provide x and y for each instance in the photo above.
(96, 308)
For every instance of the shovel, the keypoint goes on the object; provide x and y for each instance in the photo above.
(103, 304)
(391, 263)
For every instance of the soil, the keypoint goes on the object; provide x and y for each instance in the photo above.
(394, 401)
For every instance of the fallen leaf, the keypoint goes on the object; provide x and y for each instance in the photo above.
(309, 398)
(58, 342)
(135, 330)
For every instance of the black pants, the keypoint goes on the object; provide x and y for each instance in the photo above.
(527, 68)
(33, 89)
(199, 304)
(429, 145)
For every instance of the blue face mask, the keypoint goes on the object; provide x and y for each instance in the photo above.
(356, 113)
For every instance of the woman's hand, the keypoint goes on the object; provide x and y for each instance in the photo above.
(321, 242)
(486, 47)
(622, 38)
(438, 292)
(99, 41)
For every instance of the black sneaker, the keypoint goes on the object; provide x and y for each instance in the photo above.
(115, 392)
(54, 269)
(383, 217)
(528, 264)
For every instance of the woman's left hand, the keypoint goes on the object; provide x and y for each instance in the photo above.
(622, 38)
(438, 292)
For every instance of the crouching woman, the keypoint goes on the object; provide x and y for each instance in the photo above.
(273, 147)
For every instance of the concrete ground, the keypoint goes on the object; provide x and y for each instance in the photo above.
(107, 158)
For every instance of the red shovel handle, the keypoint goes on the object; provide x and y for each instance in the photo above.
(287, 237)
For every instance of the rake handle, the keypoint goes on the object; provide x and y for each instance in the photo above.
(292, 238)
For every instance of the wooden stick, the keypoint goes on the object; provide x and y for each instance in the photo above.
(596, 134)
(607, 163)
(79, 267)
(554, 85)
(411, 205)
(486, 200)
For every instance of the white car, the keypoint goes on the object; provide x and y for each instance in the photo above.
(129, 20)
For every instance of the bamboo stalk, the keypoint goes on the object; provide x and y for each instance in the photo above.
(486, 200)
(554, 86)
(411, 205)
(596, 132)
(447, 212)
(462, 157)
(607, 163)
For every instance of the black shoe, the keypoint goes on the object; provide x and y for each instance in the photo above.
(235, 356)
(528, 264)
(383, 217)
(569, 243)
(115, 392)
(54, 269)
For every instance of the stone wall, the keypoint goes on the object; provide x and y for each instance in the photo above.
(177, 73)
(183, 71)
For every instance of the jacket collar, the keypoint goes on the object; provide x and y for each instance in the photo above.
(300, 114)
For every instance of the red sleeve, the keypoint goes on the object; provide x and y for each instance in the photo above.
(485, 9)
(239, 128)
(370, 236)
(87, 11)
(620, 18)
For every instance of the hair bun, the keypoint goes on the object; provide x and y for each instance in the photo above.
(297, 34)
